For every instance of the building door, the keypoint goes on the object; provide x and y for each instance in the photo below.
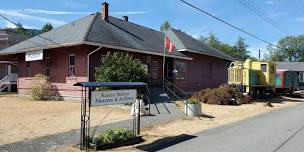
(169, 68)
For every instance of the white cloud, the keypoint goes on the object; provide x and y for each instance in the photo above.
(269, 2)
(129, 13)
(55, 12)
(52, 12)
(11, 25)
(18, 14)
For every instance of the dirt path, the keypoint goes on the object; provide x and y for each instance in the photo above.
(22, 118)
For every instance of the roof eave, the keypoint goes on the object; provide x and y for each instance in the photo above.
(137, 50)
(94, 44)
(204, 53)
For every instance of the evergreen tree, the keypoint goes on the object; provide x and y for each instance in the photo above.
(165, 26)
(47, 27)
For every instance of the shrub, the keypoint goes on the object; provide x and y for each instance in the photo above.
(224, 95)
(192, 101)
(120, 67)
(43, 90)
(113, 136)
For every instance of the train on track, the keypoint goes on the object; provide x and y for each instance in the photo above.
(260, 78)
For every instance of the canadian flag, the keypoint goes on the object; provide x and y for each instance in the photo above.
(169, 45)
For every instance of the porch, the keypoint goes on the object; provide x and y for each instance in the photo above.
(8, 76)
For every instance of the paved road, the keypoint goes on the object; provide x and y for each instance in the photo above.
(278, 131)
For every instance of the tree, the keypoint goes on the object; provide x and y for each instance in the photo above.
(21, 30)
(240, 49)
(120, 67)
(290, 48)
(47, 27)
(214, 42)
(165, 26)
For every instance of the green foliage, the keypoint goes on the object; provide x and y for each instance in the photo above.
(291, 48)
(241, 49)
(120, 67)
(238, 51)
(192, 101)
(165, 26)
(43, 90)
(112, 136)
(224, 95)
(47, 27)
(22, 31)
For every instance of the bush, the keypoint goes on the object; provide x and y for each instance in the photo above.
(192, 101)
(44, 90)
(224, 95)
(120, 67)
(113, 136)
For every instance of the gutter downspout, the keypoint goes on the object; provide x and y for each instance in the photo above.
(88, 62)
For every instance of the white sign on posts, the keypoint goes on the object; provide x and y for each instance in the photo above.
(34, 55)
(111, 97)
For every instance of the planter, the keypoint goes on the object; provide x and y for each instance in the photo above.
(193, 110)
(131, 141)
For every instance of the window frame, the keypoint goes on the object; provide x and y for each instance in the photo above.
(153, 69)
(301, 80)
(266, 68)
(184, 70)
(27, 71)
(72, 73)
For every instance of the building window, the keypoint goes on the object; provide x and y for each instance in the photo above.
(264, 67)
(301, 76)
(154, 70)
(27, 69)
(180, 68)
(137, 60)
(71, 65)
(48, 67)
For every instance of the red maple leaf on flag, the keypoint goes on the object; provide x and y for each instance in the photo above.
(169, 45)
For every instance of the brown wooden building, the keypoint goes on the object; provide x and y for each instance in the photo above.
(69, 54)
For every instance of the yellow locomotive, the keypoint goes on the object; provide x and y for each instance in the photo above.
(253, 77)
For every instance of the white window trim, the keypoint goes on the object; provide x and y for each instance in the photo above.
(69, 66)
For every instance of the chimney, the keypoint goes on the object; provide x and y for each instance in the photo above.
(105, 11)
(125, 18)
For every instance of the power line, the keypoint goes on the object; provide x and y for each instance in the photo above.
(262, 14)
(37, 35)
(229, 24)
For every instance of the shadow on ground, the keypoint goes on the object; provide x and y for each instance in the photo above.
(165, 142)
(281, 99)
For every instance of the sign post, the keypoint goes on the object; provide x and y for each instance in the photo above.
(91, 98)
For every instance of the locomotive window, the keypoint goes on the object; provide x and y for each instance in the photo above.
(264, 67)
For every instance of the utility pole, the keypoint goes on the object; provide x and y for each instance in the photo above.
(259, 55)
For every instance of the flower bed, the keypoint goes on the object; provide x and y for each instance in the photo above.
(115, 137)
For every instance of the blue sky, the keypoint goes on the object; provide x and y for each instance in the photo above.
(151, 13)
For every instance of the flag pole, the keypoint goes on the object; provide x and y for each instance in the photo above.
(164, 62)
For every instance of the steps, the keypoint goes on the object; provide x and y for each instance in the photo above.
(4, 83)
(161, 102)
